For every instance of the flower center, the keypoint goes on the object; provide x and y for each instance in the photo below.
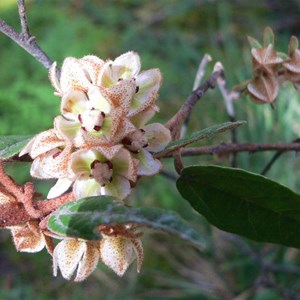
(91, 120)
(135, 141)
(102, 172)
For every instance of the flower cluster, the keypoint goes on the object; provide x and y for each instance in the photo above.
(271, 67)
(101, 144)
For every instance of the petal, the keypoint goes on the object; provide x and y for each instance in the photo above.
(98, 99)
(124, 165)
(28, 238)
(119, 188)
(61, 186)
(91, 65)
(42, 143)
(105, 77)
(158, 137)
(121, 94)
(109, 151)
(73, 76)
(117, 253)
(148, 166)
(124, 128)
(139, 252)
(148, 83)
(89, 261)
(81, 161)
(53, 78)
(55, 164)
(74, 103)
(144, 116)
(86, 188)
(66, 257)
(126, 66)
(70, 130)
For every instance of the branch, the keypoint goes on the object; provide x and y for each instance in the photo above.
(198, 78)
(24, 38)
(235, 148)
(228, 100)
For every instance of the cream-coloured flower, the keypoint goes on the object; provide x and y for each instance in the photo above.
(97, 116)
(103, 171)
(76, 257)
(119, 252)
(76, 74)
(51, 153)
(145, 141)
(127, 67)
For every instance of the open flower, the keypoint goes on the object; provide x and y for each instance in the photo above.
(97, 116)
(119, 252)
(76, 74)
(103, 171)
(146, 140)
(77, 257)
(51, 155)
(126, 67)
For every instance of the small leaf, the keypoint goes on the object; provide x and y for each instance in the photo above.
(268, 37)
(254, 43)
(243, 203)
(199, 135)
(80, 218)
(293, 45)
(12, 145)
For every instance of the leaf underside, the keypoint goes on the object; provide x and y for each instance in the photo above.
(12, 145)
(243, 203)
(199, 135)
(80, 218)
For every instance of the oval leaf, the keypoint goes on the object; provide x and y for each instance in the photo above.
(199, 135)
(243, 203)
(12, 145)
(80, 218)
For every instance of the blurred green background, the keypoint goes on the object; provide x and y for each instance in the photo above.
(172, 35)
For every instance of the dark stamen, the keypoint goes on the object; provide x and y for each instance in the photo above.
(109, 163)
(97, 128)
(146, 145)
(56, 154)
(79, 118)
(126, 141)
(142, 130)
(137, 89)
(102, 114)
(93, 164)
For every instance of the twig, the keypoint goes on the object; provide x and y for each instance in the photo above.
(274, 159)
(222, 149)
(25, 39)
(198, 78)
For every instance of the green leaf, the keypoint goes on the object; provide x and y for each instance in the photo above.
(254, 43)
(243, 203)
(80, 218)
(199, 135)
(268, 37)
(12, 145)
